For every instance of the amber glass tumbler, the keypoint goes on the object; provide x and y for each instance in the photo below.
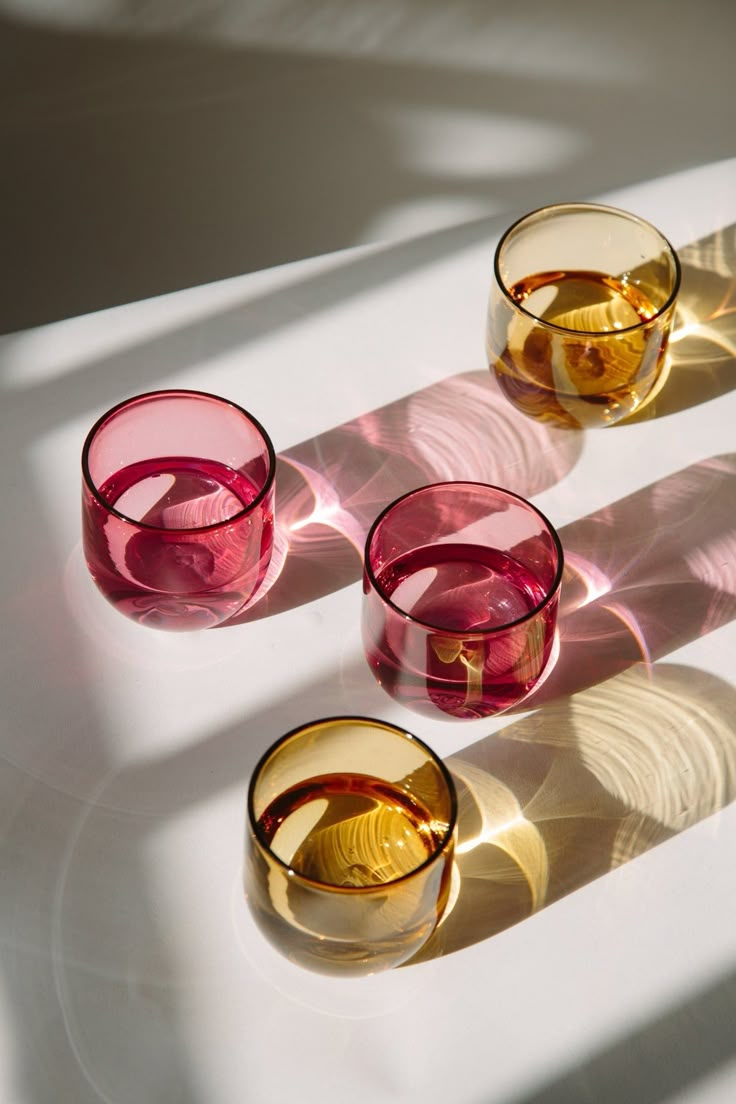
(580, 312)
(350, 843)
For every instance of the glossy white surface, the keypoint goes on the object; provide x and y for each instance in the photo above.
(130, 971)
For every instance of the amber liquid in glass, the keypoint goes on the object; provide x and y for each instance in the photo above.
(594, 361)
(350, 830)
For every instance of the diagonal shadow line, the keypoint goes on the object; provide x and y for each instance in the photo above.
(706, 352)
(617, 754)
(704, 357)
(195, 101)
(595, 779)
(667, 1054)
(596, 644)
(176, 782)
(330, 489)
(589, 781)
(99, 382)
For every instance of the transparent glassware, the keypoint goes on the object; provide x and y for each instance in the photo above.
(350, 845)
(178, 508)
(460, 593)
(580, 312)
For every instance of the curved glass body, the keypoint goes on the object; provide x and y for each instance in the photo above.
(177, 508)
(460, 594)
(580, 312)
(350, 845)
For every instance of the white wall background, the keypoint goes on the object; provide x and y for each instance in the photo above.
(150, 145)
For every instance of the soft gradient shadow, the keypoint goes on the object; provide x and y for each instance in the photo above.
(141, 157)
(658, 1061)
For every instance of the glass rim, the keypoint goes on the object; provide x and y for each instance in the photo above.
(172, 393)
(584, 207)
(333, 721)
(460, 634)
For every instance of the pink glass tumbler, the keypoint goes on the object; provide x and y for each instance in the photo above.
(177, 508)
(460, 593)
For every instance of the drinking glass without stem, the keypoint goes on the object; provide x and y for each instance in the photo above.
(350, 845)
(580, 313)
(177, 507)
(461, 587)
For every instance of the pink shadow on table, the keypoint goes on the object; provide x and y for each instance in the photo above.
(330, 489)
(645, 576)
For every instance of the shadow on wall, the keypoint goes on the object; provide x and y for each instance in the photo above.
(141, 164)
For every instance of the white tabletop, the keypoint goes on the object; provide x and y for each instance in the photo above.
(130, 970)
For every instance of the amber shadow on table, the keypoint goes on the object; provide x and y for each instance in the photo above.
(702, 346)
(566, 794)
(625, 752)
(330, 489)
